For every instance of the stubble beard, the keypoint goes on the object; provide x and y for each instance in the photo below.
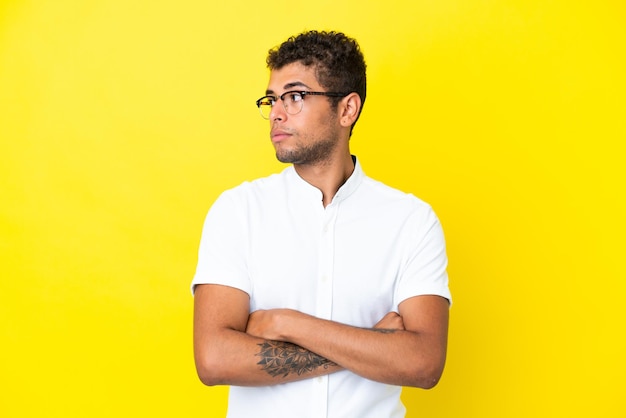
(317, 153)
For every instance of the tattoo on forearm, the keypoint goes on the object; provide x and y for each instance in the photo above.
(283, 358)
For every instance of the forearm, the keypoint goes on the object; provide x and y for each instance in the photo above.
(226, 355)
(237, 348)
(379, 356)
(236, 358)
(396, 356)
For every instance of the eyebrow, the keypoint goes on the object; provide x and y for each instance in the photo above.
(289, 86)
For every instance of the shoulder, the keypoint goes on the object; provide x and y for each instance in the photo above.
(395, 209)
(252, 195)
(381, 194)
(262, 185)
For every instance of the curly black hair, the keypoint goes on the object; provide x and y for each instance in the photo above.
(336, 58)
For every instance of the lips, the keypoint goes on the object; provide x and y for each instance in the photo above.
(278, 135)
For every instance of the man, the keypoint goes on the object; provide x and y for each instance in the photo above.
(319, 292)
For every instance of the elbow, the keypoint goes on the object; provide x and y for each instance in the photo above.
(206, 378)
(426, 376)
(209, 371)
(428, 381)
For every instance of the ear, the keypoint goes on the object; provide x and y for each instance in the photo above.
(350, 106)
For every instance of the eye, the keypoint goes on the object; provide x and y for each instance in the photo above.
(294, 96)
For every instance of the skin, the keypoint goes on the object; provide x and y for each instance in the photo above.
(234, 347)
(294, 135)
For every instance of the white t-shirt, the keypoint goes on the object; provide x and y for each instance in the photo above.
(352, 262)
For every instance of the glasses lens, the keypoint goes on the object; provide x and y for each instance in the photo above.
(293, 102)
(265, 107)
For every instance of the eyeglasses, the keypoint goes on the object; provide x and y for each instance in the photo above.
(292, 101)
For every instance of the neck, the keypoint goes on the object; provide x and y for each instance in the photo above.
(328, 177)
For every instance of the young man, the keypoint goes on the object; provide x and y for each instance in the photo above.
(319, 292)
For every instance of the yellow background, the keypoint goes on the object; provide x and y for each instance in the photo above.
(121, 121)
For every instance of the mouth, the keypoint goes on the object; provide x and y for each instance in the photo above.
(278, 135)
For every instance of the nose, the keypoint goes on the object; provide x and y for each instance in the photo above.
(278, 112)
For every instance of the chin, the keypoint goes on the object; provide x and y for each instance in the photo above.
(285, 159)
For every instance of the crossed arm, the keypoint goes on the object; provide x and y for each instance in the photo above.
(275, 346)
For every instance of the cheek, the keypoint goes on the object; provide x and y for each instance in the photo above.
(312, 127)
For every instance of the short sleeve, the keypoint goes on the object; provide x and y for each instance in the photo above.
(425, 262)
(222, 254)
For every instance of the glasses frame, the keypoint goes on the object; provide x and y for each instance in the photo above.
(302, 93)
